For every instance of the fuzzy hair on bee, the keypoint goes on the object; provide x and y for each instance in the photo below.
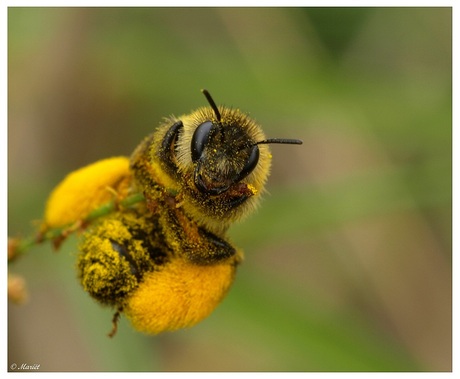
(167, 262)
(222, 159)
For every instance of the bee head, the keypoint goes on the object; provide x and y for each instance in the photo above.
(224, 150)
(221, 157)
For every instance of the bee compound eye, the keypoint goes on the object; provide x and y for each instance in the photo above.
(251, 163)
(200, 138)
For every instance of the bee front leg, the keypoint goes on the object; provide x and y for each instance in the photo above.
(195, 242)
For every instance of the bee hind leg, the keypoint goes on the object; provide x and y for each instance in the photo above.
(115, 319)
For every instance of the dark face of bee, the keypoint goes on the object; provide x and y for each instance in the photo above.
(222, 155)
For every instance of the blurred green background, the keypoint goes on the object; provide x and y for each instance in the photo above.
(348, 260)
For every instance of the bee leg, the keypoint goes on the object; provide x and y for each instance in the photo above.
(213, 249)
(113, 257)
(196, 243)
(115, 319)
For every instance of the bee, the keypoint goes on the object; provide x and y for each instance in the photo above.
(166, 262)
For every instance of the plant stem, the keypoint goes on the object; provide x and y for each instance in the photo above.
(17, 247)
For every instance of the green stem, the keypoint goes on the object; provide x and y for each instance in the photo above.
(18, 247)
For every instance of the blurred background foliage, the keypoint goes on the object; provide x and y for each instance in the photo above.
(348, 261)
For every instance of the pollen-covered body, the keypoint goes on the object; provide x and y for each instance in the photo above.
(155, 264)
(143, 263)
(166, 262)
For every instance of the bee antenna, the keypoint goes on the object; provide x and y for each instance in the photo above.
(211, 103)
(279, 140)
